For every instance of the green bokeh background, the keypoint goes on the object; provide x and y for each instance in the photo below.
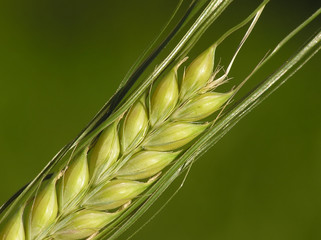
(61, 60)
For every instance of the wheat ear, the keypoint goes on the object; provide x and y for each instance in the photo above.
(124, 160)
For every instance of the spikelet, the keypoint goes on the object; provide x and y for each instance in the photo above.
(74, 180)
(83, 224)
(145, 164)
(42, 211)
(173, 135)
(201, 106)
(115, 194)
(164, 98)
(134, 126)
(13, 229)
(105, 152)
(198, 73)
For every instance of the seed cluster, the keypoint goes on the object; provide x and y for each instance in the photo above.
(125, 159)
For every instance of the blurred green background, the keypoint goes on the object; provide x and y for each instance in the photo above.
(61, 60)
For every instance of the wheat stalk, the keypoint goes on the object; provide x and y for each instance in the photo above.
(126, 158)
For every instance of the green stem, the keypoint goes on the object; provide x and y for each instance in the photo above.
(288, 38)
(294, 32)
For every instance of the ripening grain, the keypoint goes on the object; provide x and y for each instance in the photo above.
(90, 193)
